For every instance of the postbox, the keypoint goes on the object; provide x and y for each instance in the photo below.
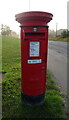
(34, 49)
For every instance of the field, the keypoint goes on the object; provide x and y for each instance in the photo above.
(13, 106)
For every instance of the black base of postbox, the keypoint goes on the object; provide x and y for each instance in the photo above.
(33, 100)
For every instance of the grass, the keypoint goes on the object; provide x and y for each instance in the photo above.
(0, 53)
(13, 106)
(50, 82)
(10, 52)
(59, 39)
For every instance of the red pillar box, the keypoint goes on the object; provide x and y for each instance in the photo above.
(34, 47)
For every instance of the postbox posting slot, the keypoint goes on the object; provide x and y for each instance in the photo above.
(34, 35)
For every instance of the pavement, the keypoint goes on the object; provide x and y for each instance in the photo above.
(57, 63)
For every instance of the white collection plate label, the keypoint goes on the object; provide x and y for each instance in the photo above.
(34, 49)
(34, 61)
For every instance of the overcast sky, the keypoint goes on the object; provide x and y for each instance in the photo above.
(8, 9)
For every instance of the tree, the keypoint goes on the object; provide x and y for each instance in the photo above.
(67, 33)
(5, 30)
(64, 34)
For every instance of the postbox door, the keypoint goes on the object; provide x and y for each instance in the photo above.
(34, 66)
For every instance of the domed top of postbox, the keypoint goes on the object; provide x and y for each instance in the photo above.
(34, 18)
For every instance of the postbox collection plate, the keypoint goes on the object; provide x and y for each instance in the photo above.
(34, 48)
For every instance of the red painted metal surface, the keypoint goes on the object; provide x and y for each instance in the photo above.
(34, 18)
(34, 74)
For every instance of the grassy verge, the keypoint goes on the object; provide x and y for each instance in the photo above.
(10, 52)
(13, 107)
(59, 39)
(0, 53)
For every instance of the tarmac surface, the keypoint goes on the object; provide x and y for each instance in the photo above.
(57, 62)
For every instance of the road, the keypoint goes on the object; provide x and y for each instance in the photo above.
(57, 63)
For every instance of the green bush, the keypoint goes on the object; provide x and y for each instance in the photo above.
(65, 34)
